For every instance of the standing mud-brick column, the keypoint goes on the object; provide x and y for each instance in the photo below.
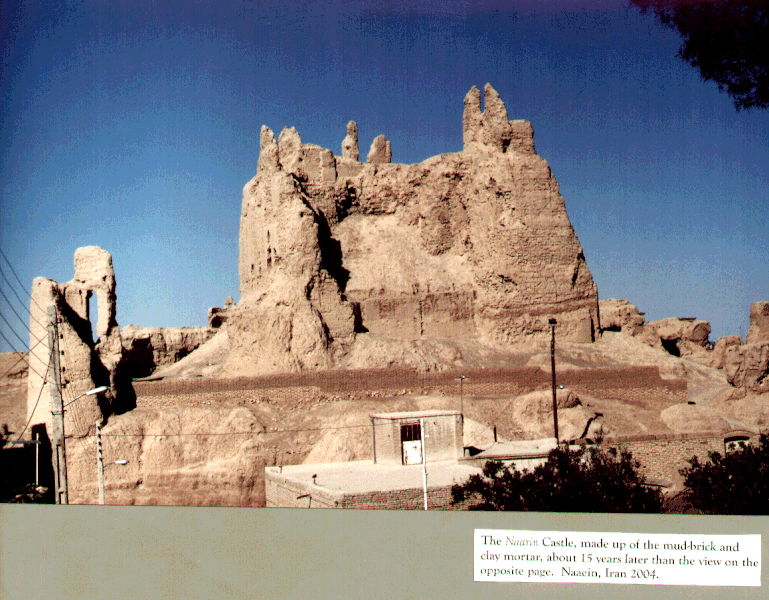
(85, 363)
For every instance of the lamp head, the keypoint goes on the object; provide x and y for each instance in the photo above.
(97, 390)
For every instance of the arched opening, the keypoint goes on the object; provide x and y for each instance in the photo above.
(93, 315)
(671, 346)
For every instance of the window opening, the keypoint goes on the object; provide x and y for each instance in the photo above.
(93, 315)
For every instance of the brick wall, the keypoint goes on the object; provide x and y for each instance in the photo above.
(438, 498)
(285, 492)
(663, 455)
(637, 385)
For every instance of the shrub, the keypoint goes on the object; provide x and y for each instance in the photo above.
(734, 484)
(585, 480)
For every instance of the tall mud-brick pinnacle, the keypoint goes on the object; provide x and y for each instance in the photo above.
(490, 128)
(350, 142)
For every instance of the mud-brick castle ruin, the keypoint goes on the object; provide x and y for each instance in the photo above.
(473, 243)
(350, 264)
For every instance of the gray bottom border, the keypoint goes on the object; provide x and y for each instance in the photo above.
(90, 552)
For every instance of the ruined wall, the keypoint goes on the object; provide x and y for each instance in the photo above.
(473, 243)
(759, 323)
(212, 456)
(147, 348)
(85, 363)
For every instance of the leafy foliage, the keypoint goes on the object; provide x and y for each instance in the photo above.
(586, 480)
(734, 484)
(725, 40)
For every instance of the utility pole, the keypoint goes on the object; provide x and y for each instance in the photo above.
(553, 323)
(100, 462)
(57, 411)
(461, 380)
(37, 460)
(424, 459)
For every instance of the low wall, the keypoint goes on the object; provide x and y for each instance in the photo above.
(663, 455)
(286, 492)
(638, 383)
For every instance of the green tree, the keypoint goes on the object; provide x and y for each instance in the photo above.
(586, 480)
(734, 484)
(725, 40)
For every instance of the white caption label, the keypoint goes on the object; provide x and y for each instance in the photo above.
(588, 557)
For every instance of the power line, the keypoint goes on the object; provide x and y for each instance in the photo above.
(219, 433)
(2, 316)
(493, 421)
(23, 343)
(77, 411)
(19, 280)
(42, 387)
(35, 345)
(22, 357)
(21, 302)
(17, 316)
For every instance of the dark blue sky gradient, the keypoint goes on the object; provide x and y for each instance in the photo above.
(135, 125)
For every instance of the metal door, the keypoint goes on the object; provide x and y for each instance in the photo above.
(411, 444)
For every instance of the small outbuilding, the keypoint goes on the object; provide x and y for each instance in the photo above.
(416, 460)
(404, 438)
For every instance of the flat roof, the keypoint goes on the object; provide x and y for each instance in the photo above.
(415, 414)
(366, 476)
(518, 449)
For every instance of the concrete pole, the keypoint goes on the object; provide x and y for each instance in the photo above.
(461, 380)
(552, 367)
(57, 410)
(100, 462)
(373, 438)
(461, 397)
(424, 459)
(37, 460)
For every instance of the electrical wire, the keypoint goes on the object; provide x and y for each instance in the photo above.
(42, 387)
(22, 357)
(21, 302)
(19, 280)
(67, 393)
(2, 316)
(218, 433)
(18, 317)
(493, 421)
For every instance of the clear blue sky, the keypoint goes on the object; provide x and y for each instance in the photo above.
(134, 126)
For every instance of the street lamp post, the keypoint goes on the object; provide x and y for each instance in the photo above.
(100, 462)
(62, 488)
(553, 323)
